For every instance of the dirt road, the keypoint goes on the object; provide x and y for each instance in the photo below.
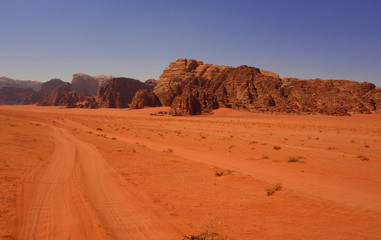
(79, 196)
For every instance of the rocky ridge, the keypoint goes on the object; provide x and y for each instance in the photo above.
(9, 82)
(144, 98)
(14, 95)
(191, 87)
(65, 96)
(118, 92)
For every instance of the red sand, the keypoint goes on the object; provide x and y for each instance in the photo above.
(124, 174)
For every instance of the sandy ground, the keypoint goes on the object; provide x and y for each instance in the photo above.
(124, 174)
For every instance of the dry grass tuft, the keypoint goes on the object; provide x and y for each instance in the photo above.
(273, 189)
(295, 159)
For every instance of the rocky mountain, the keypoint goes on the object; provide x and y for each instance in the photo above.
(49, 86)
(151, 84)
(8, 82)
(14, 95)
(84, 81)
(118, 92)
(31, 99)
(65, 96)
(144, 98)
(102, 80)
(191, 87)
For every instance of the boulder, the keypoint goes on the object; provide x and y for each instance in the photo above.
(144, 98)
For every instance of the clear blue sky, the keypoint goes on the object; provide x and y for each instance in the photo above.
(43, 39)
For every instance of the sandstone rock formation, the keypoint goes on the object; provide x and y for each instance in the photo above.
(102, 80)
(14, 95)
(83, 81)
(151, 84)
(8, 82)
(144, 98)
(49, 86)
(64, 96)
(118, 92)
(31, 99)
(191, 87)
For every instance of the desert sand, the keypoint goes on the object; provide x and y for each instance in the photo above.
(125, 174)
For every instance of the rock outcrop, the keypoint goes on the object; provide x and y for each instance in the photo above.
(118, 92)
(83, 81)
(8, 82)
(151, 84)
(49, 86)
(191, 87)
(31, 99)
(144, 98)
(14, 95)
(102, 80)
(64, 96)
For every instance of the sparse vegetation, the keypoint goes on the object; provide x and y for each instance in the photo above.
(208, 234)
(99, 129)
(277, 147)
(331, 148)
(264, 156)
(296, 159)
(169, 150)
(366, 146)
(113, 138)
(253, 142)
(231, 146)
(362, 157)
(277, 187)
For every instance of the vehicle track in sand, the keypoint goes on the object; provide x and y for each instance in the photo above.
(353, 192)
(77, 195)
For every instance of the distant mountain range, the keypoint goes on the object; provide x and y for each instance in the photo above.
(9, 82)
(191, 87)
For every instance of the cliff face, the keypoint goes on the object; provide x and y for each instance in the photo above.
(192, 87)
(83, 81)
(14, 95)
(8, 82)
(118, 92)
(151, 84)
(64, 96)
(49, 86)
(144, 98)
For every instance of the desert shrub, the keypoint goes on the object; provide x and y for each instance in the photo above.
(99, 129)
(264, 156)
(296, 159)
(277, 187)
(208, 234)
(277, 147)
